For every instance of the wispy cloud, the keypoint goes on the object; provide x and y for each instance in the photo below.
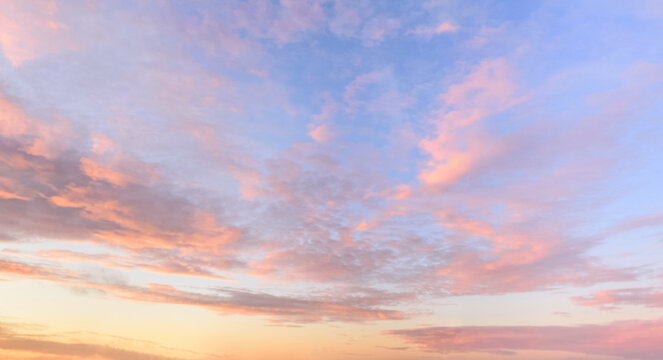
(428, 31)
(225, 301)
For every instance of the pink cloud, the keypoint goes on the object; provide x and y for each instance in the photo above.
(39, 139)
(426, 31)
(322, 129)
(446, 27)
(99, 172)
(107, 163)
(31, 30)
(102, 196)
(504, 233)
(638, 222)
(199, 231)
(634, 339)
(322, 133)
(359, 20)
(461, 143)
(611, 299)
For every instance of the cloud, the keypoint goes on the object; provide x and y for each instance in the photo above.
(322, 128)
(28, 32)
(283, 22)
(346, 20)
(633, 339)
(358, 84)
(363, 22)
(461, 144)
(23, 270)
(322, 133)
(611, 299)
(446, 27)
(65, 201)
(309, 202)
(378, 28)
(281, 308)
(332, 307)
(17, 339)
(425, 31)
(484, 184)
(82, 350)
(152, 260)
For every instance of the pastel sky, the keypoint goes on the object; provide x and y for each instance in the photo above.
(331, 180)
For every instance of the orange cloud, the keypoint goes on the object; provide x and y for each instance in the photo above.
(23, 270)
(45, 140)
(18, 341)
(98, 172)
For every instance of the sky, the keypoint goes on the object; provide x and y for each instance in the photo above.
(331, 180)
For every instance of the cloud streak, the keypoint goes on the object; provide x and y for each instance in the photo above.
(18, 339)
(611, 299)
(626, 339)
(224, 301)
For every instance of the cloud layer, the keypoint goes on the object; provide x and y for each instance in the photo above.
(339, 162)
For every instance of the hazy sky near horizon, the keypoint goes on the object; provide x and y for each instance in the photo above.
(331, 180)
